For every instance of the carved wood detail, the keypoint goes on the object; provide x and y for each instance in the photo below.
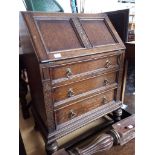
(101, 143)
(81, 32)
(48, 72)
(83, 120)
(121, 133)
(49, 105)
(119, 78)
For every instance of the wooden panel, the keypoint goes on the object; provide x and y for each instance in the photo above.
(65, 114)
(97, 32)
(34, 79)
(73, 89)
(120, 20)
(71, 51)
(57, 35)
(85, 66)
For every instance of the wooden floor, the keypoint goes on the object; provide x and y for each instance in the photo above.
(32, 139)
(34, 143)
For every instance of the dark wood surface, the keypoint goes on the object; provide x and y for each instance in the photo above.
(71, 89)
(85, 66)
(65, 52)
(65, 114)
(46, 52)
(104, 141)
(129, 73)
(120, 20)
(130, 52)
(23, 88)
(119, 133)
(127, 149)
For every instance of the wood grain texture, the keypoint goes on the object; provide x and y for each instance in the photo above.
(42, 41)
(85, 66)
(97, 32)
(55, 38)
(75, 74)
(101, 143)
(83, 86)
(64, 114)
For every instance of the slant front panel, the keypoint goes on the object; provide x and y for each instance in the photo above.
(60, 35)
(97, 32)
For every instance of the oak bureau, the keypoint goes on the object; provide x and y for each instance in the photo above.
(74, 64)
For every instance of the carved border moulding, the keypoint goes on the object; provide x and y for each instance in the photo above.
(45, 73)
(48, 104)
(81, 32)
(84, 120)
(119, 59)
(119, 75)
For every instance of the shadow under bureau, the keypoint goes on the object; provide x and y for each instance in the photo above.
(74, 64)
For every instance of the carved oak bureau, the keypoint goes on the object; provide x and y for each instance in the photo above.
(74, 64)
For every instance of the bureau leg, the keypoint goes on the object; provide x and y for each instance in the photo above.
(117, 114)
(51, 148)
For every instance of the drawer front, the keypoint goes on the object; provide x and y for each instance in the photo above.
(80, 87)
(67, 71)
(71, 111)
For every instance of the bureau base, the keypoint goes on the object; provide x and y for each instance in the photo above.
(51, 137)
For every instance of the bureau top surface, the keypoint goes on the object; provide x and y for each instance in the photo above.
(57, 36)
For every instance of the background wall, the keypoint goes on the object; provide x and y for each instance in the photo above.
(91, 6)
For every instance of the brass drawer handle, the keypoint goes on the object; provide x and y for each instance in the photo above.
(68, 72)
(106, 82)
(72, 114)
(70, 92)
(105, 99)
(108, 63)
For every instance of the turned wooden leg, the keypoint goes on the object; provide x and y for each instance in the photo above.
(117, 114)
(120, 133)
(51, 147)
(101, 143)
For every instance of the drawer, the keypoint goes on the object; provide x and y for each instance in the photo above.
(80, 87)
(74, 110)
(69, 70)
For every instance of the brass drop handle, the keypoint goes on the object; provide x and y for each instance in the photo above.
(70, 92)
(106, 82)
(105, 100)
(72, 114)
(108, 63)
(68, 72)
